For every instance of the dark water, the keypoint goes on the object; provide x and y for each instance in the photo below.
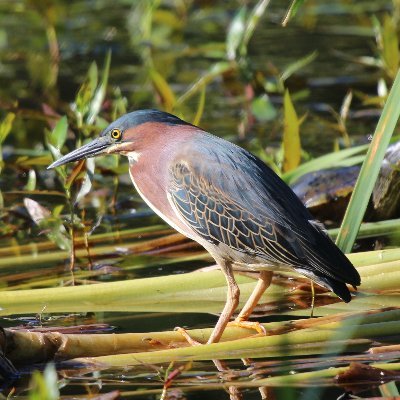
(86, 30)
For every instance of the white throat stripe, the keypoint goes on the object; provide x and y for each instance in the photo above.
(133, 156)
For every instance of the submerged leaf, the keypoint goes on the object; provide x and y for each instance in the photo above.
(357, 372)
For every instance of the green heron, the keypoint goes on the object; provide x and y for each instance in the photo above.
(226, 199)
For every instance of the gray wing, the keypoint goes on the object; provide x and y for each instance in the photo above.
(229, 196)
(218, 217)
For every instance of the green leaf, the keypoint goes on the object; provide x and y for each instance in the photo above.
(59, 134)
(297, 65)
(119, 104)
(263, 109)
(163, 89)
(235, 33)
(55, 140)
(252, 23)
(292, 11)
(31, 184)
(87, 180)
(389, 390)
(5, 126)
(200, 107)
(291, 135)
(85, 93)
(214, 71)
(44, 386)
(370, 169)
(390, 45)
(100, 92)
(52, 227)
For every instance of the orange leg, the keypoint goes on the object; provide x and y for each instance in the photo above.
(264, 281)
(232, 301)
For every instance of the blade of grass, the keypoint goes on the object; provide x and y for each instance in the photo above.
(291, 135)
(200, 107)
(252, 22)
(100, 92)
(370, 170)
(163, 89)
(292, 10)
(214, 71)
(296, 66)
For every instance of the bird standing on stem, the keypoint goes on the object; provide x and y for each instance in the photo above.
(226, 199)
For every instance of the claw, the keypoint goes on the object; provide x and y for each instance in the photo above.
(187, 337)
(239, 323)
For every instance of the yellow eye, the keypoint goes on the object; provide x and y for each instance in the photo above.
(116, 134)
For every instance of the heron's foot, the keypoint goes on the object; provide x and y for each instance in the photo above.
(187, 337)
(240, 323)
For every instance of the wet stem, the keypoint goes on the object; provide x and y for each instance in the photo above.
(86, 240)
(114, 202)
(54, 50)
(71, 234)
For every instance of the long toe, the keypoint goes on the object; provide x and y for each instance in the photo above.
(256, 326)
(187, 337)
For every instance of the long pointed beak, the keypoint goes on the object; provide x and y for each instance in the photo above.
(91, 149)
